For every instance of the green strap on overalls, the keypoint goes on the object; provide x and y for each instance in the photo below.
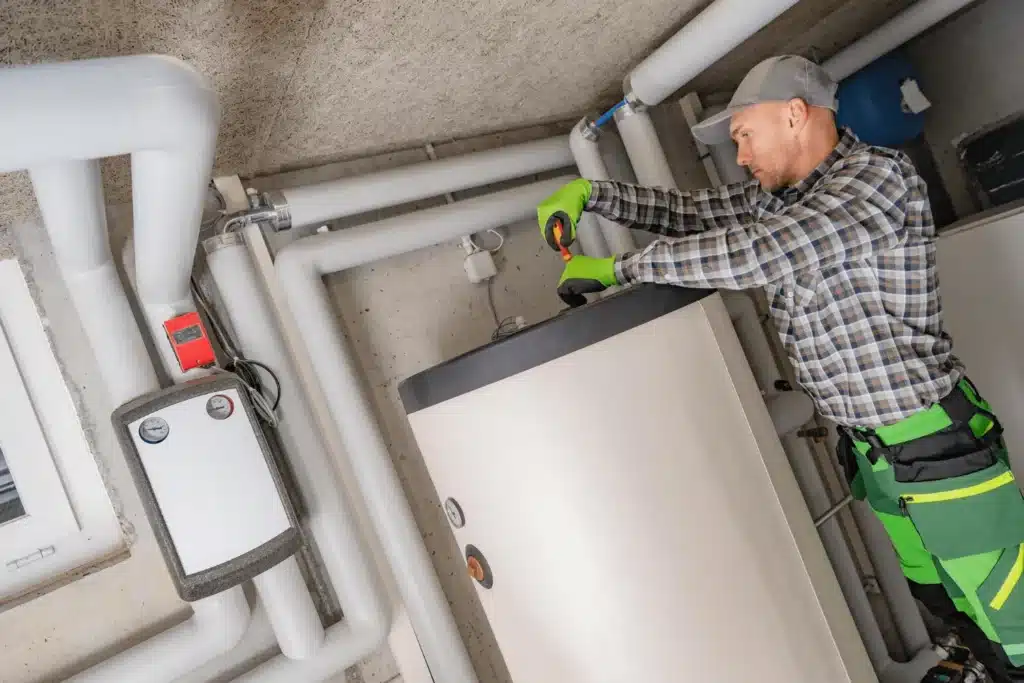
(964, 532)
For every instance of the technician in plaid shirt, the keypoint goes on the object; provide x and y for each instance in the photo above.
(840, 236)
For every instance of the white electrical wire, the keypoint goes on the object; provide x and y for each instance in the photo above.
(501, 242)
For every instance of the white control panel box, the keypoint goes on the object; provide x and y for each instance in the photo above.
(209, 483)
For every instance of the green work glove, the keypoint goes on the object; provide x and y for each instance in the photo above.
(586, 275)
(566, 204)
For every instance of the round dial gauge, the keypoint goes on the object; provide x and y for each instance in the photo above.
(220, 407)
(454, 512)
(154, 429)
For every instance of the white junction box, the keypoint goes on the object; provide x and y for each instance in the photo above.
(207, 478)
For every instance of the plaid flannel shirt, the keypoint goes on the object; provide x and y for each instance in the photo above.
(846, 258)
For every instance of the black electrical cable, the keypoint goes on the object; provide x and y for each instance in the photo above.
(244, 368)
(506, 327)
(240, 365)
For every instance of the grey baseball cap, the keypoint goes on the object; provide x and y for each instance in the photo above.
(776, 79)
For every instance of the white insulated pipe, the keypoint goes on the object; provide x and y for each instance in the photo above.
(159, 110)
(331, 517)
(753, 338)
(789, 411)
(818, 502)
(912, 21)
(104, 107)
(613, 238)
(711, 35)
(70, 198)
(336, 251)
(312, 204)
(62, 118)
(643, 147)
(300, 267)
(906, 614)
(290, 610)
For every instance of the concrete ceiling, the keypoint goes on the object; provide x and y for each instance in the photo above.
(306, 82)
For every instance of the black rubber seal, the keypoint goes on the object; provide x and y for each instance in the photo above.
(570, 331)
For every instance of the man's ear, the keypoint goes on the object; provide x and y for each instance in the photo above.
(798, 113)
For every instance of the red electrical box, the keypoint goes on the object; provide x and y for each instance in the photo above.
(191, 344)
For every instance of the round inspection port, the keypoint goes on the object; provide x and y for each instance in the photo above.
(478, 568)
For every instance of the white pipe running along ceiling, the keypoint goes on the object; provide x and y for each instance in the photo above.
(711, 35)
(57, 119)
(313, 204)
(912, 21)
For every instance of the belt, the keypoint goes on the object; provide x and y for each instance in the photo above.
(938, 442)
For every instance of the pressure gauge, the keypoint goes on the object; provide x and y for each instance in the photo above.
(154, 430)
(454, 512)
(220, 407)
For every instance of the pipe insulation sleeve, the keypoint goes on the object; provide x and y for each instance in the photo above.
(331, 517)
(290, 610)
(70, 198)
(914, 20)
(909, 622)
(165, 114)
(711, 35)
(612, 238)
(300, 267)
(809, 478)
(312, 204)
(644, 149)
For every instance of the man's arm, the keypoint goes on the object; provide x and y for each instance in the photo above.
(673, 213)
(859, 212)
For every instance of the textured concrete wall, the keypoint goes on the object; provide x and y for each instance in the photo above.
(969, 70)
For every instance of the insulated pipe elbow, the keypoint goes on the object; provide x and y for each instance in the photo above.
(127, 104)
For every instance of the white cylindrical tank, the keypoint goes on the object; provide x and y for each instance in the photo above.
(629, 513)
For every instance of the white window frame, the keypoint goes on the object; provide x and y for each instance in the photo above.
(69, 522)
(47, 508)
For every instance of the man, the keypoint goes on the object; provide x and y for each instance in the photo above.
(840, 236)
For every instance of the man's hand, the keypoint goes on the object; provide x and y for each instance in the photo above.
(567, 205)
(586, 275)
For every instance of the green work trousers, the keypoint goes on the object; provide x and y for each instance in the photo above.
(965, 533)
